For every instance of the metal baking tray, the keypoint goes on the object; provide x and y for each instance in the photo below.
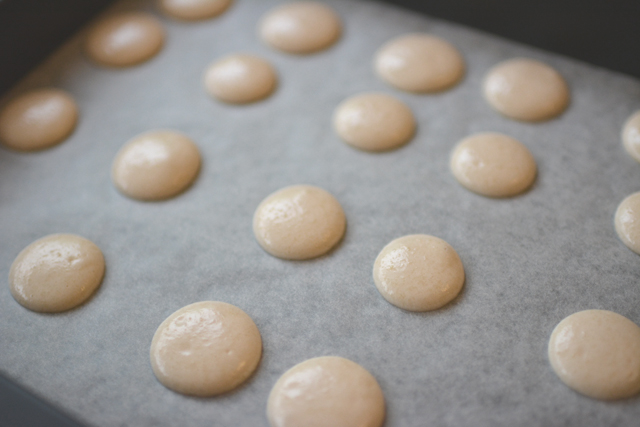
(31, 30)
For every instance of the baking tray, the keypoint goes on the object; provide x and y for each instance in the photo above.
(530, 261)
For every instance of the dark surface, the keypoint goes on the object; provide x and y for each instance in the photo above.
(32, 29)
(602, 32)
(19, 408)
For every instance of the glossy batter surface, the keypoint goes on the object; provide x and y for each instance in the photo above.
(419, 63)
(418, 272)
(631, 135)
(326, 392)
(597, 353)
(38, 119)
(301, 27)
(299, 222)
(493, 164)
(627, 222)
(194, 10)
(125, 39)
(205, 349)
(374, 122)
(156, 165)
(240, 79)
(525, 89)
(56, 273)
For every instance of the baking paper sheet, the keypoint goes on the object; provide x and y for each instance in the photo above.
(480, 361)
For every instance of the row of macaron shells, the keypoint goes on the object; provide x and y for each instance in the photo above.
(419, 42)
(370, 121)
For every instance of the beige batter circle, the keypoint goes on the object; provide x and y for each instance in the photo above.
(419, 63)
(493, 165)
(299, 222)
(125, 39)
(38, 119)
(156, 165)
(631, 135)
(194, 10)
(418, 272)
(205, 349)
(301, 27)
(627, 222)
(374, 122)
(326, 392)
(240, 79)
(56, 273)
(525, 89)
(597, 353)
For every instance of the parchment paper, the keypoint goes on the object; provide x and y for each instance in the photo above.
(480, 361)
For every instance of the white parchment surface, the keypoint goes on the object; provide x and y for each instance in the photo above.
(480, 361)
